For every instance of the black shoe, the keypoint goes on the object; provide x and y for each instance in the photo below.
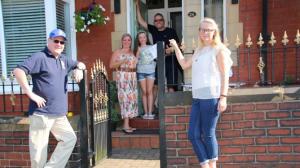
(127, 131)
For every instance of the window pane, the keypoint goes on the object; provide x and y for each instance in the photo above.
(174, 3)
(0, 62)
(24, 29)
(155, 4)
(214, 9)
(62, 19)
(60, 14)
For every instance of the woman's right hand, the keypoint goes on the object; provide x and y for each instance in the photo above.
(173, 43)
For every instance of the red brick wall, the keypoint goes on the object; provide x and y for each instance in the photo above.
(282, 15)
(250, 135)
(18, 110)
(14, 149)
(97, 43)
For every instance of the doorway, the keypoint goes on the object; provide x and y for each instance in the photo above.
(170, 9)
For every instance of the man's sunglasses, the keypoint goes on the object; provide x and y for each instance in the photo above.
(57, 41)
(159, 20)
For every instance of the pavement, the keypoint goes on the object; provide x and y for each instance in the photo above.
(131, 158)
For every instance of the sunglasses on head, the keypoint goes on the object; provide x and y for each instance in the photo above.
(57, 41)
(158, 20)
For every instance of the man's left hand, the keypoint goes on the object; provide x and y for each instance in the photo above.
(78, 75)
(81, 66)
(78, 72)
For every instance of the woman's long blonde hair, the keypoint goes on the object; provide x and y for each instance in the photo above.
(126, 35)
(216, 37)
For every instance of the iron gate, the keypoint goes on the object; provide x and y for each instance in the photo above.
(95, 135)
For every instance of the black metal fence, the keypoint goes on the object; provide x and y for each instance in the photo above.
(265, 62)
(13, 102)
(95, 136)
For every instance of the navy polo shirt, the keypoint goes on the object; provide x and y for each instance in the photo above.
(49, 78)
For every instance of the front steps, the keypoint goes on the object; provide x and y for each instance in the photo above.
(146, 136)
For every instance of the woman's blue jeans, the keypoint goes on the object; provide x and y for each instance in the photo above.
(202, 129)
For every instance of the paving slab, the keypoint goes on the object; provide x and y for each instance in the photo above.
(131, 158)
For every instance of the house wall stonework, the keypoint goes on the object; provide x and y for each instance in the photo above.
(282, 16)
(98, 43)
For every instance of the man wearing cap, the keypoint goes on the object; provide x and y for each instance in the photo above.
(49, 70)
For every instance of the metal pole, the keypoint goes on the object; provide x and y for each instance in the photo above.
(161, 104)
(264, 49)
(84, 121)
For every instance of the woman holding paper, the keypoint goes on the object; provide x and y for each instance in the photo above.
(146, 72)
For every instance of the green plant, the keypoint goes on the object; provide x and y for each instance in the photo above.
(289, 80)
(115, 116)
(93, 16)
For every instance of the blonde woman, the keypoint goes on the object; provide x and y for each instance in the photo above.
(210, 79)
(124, 61)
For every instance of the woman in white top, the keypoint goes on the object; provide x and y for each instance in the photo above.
(210, 64)
(146, 72)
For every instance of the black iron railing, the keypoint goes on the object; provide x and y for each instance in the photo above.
(279, 66)
(255, 63)
(13, 102)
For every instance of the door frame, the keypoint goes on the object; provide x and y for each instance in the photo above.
(166, 12)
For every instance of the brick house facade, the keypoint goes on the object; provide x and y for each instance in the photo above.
(264, 133)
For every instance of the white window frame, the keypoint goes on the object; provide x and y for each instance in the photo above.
(128, 16)
(2, 39)
(224, 17)
(50, 14)
(50, 19)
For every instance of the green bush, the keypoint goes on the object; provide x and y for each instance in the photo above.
(113, 91)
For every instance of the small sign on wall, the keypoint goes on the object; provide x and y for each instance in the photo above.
(192, 14)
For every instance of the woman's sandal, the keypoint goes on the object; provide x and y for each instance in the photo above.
(127, 131)
(133, 129)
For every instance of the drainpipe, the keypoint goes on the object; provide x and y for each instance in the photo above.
(264, 79)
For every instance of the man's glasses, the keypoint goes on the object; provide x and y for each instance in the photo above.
(158, 20)
(57, 41)
(206, 30)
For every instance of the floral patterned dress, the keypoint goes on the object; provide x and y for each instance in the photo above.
(127, 87)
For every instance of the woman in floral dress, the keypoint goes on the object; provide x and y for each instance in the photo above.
(124, 62)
